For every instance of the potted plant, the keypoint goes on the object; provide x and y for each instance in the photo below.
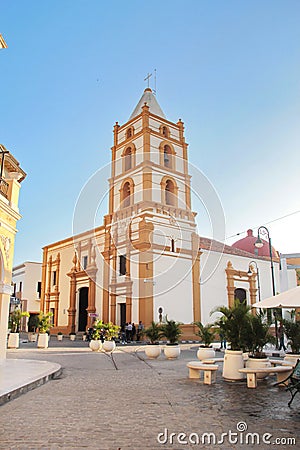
(258, 335)
(44, 328)
(110, 333)
(172, 331)
(207, 335)
(234, 325)
(72, 336)
(96, 336)
(153, 333)
(292, 331)
(14, 325)
(60, 336)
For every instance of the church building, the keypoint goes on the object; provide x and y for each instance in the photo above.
(143, 263)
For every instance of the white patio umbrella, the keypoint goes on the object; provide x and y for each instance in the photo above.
(287, 299)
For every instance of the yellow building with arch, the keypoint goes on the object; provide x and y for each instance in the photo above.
(11, 176)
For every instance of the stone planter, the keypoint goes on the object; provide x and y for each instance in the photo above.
(258, 363)
(152, 351)
(233, 361)
(205, 353)
(43, 340)
(72, 337)
(59, 337)
(108, 346)
(13, 340)
(95, 346)
(172, 351)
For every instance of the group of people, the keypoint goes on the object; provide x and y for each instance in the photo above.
(129, 332)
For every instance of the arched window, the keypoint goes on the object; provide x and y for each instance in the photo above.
(167, 156)
(128, 158)
(126, 194)
(169, 192)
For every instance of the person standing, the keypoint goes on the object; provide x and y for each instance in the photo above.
(280, 335)
(129, 329)
(223, 341)
(133, 333)
(140, 329)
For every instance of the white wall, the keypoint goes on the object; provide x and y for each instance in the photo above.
(29, 273)
(213, 280)
(173, 287)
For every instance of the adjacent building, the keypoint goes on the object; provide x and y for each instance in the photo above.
(27, 282)
(11, 176)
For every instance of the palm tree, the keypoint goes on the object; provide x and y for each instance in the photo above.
(206, 333)
(171, 330)
(234, 324)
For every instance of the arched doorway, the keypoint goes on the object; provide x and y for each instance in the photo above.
(82, 310)
(240, 294)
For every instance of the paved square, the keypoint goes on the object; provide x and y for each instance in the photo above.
(94, 406)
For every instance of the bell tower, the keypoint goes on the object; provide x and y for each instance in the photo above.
(151, 246)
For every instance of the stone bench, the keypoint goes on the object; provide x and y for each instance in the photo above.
(251, 372)
(212, 360)
(209, 371)
(279, 362)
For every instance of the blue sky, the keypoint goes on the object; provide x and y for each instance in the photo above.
(229, 69)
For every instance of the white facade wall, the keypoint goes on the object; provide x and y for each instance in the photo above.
(118, 164)
(213, 280)
(292, 279)
(164, 231)
(138, 187)
(288, 277)
(173, 287)
(29, 274)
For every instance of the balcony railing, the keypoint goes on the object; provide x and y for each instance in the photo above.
(3, 187)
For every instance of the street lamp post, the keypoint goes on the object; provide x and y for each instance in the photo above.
(257, 272)
(259, 244)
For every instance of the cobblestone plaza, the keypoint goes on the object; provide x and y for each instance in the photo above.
(142, 404)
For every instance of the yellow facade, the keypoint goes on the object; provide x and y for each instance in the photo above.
(10, 178)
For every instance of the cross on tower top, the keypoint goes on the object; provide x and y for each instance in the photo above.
(148, 79)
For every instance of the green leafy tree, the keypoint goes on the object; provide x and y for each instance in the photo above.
(234, 324)
(292, 331)
(15, 319)
(105, 331)
(153, 332)
(258, 335)
(171, 330)
(45, 321)
(206, 333)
